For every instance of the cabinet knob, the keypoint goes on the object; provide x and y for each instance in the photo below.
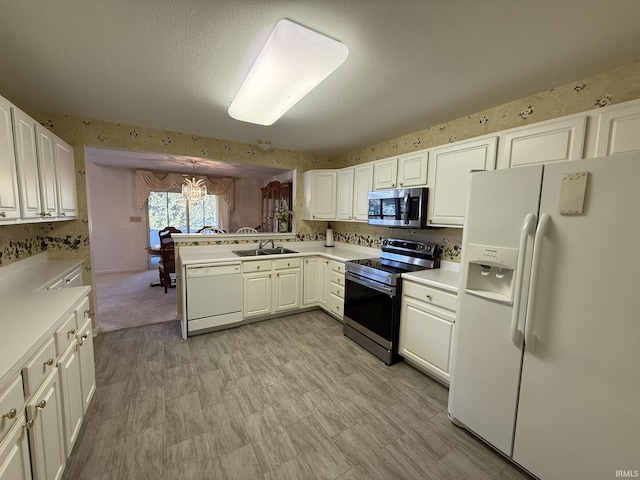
(257, 267)
(3, 214)
(401, 183)
(49, 362)
(393, 184)
(84, 337)
(42, 404)
(28, 425)
(71, 332)
(62, 214)
(10, 414)
(429, 297)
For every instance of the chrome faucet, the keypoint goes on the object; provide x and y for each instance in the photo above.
(262, 244)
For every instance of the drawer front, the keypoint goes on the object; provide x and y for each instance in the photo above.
(337, 278)
(337, 290)
(429, 295)
(283, 263)
(336, 305)
(337, 266)
(258, 266)
(11, 405)
(39, 367)
(66, 333)
(82, 312)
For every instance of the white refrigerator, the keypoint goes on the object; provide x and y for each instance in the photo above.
(546, 363)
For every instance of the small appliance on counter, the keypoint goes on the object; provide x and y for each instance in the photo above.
(373, 293)
(329, 237)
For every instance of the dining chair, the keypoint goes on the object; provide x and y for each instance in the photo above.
(247, 230)
(211, 230)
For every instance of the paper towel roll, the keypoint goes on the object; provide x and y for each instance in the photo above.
(329, 237)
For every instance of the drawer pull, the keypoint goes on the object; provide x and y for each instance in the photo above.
(49, 362)
(10, 414)
(429, 297)
(84, 337)
(28, 425)
(86, 314)
(71, 332)
(42, 404)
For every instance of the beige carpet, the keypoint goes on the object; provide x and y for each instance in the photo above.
(126, 300)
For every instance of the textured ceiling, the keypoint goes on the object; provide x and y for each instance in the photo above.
(172, 64)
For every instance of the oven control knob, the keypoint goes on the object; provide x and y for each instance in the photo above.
(390, 242)
(420, 247)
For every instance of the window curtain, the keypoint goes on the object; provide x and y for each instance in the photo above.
(147, 182)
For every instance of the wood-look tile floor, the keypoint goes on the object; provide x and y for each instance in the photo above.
(290, 398)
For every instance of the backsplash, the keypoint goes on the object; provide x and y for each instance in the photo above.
(70, 239)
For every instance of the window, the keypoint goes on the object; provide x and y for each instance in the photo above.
(170, 209)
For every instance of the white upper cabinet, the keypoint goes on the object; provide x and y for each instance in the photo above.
(449, 169)
(385, 173)
(9, 203)
(412, 169)
(408, 170)
(345, 194)
(27, 163)
(618, 129)
(46, 171)
(320, 195)
(543, 142)
(362, 185)
(65, 179)
(354, 185)
(38, 181)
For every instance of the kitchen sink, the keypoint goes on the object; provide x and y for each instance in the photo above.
(262, 251)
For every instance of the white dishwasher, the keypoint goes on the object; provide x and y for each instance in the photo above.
(214, 296)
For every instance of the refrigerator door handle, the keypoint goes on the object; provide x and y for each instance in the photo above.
(526, 232)
(529, 338)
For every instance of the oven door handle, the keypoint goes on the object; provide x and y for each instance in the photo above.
(391, 291)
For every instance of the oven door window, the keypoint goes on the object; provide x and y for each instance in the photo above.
(370, 308)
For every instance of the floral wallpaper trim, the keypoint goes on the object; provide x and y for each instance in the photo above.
(19, 249)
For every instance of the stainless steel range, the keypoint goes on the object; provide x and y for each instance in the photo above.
(372, 294)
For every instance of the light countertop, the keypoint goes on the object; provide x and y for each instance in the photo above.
(224, 253)
(30, 315)
(446, 277)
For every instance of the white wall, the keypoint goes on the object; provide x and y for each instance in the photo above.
(118, 241)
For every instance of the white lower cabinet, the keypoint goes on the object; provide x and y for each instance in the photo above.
(427, 329)
(46, 432)
(310, 280)
(87, 363)
(270, 286)
(14, 453)
(335, 303)
(71, 393)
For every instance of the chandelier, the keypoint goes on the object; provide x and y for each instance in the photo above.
(193, 190)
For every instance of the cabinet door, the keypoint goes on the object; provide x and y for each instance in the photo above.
(320, 194)
(46, 439)
(14, 453)
(425, 339)
(362, 185)
(27, 164)
(449, 169)
(65, 179)
(618, 130)
(256, 295)
(324, 279)
(550, 142)
(46, 171)
(345, 194)
(9, 205)
(310, 281)
(385, 173)
(87, 364)
(412, 169)
(287, 290)
(71, 394)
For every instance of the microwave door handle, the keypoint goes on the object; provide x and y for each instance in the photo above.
(406, 209)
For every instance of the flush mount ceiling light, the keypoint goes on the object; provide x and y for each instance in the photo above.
(293, 61)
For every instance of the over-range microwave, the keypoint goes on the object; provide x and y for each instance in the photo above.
(405, 207)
